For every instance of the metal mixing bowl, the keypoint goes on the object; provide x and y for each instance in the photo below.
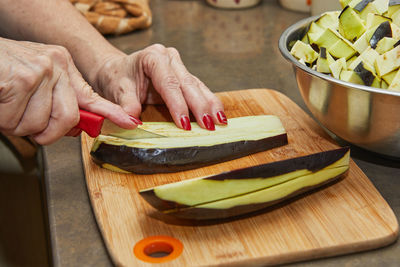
(364, 116)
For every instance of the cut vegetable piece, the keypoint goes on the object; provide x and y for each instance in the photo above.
(383, 30)
(384, 85)
(385, 44)
(350, 61)
(337, 67)
(381, 6)
(395, 31)
(304, 51)
(327, 38)
(324, 60)
(388, 78)
(362, 43)
(245, 190)
(344, 3)
(395, 84)
(359, 5)
(370, 8)
(394, 6)
(351, 26)
(184, 150)
(369, 57)
(375, 20)
(351, 76)
(329, 20)
(388, 62)
(342, 49)
(314, 32)
(396, 18)
(366, 75)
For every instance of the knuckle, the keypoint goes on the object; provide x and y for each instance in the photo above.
(170, 83)
(45, 63)
(157, 48)
(189, 80)
(28, 79)
(58, 52)
(173, 51)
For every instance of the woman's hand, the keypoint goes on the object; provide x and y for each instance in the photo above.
(41, 92)
(125, 80)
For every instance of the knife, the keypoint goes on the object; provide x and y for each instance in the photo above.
(94, 125)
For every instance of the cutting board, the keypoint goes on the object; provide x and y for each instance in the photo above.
(345, 217)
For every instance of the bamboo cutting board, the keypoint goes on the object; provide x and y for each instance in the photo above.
(345, 217)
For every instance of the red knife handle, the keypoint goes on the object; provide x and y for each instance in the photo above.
(90, 123)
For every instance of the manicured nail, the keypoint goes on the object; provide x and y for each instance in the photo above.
(208, 122)
(221, 117)
(185, 122)
(136, 121)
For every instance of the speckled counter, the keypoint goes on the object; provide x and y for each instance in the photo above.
(227, 50)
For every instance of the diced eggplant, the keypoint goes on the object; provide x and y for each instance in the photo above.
(246, 190)
(366, 76)
(329, 20)
(383, 30)
(395, 84)
(374, 20)
(324, 60)
(184, 150)
(385, 44)
(304, 51)
(351, 26)
(337, 67)
(388, 62)
(361, 4)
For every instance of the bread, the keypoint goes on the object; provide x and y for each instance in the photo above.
(116, 16)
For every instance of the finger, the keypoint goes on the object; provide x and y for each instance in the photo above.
(39, 107)
(64, 114)
(201, 101)
(157, 67)
(91, 101)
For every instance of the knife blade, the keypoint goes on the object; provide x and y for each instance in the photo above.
(94, 125)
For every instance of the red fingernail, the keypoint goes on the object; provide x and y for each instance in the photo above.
(208, 122)
(136, 121)
(221, 117)
(185, 122)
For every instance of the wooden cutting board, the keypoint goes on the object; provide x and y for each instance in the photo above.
(345, 217)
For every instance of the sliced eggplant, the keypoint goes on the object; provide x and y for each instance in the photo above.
(366, 76)
(246, 190)
(388, 61)
(183, 150)
(361, 4)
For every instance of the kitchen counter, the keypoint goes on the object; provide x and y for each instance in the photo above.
(227, 50)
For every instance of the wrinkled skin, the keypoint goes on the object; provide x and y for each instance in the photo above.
(125, 80)
(41, 89)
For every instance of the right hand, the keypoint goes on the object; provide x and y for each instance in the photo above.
(41, 92)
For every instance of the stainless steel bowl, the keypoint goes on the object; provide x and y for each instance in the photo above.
(364, 116)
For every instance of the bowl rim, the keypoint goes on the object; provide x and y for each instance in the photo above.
(282, 44)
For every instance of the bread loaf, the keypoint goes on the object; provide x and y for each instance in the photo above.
(115, 16)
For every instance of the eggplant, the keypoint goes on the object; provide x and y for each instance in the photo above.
(247, 190)
(362, 4)
(383, 30)
(181, 150)
(366, 76)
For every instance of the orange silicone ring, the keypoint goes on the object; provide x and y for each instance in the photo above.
(147, 246)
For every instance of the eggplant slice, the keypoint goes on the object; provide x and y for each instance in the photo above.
(180, 150)
(247, 190)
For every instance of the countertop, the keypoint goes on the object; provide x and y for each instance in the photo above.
(227, 50)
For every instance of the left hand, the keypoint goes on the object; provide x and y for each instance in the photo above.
(125, 79)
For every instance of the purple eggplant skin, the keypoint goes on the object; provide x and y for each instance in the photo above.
(360, 6)
(313, 162)
(155, 160)
(383, 30)
(204, 214)
(394, 2)
(366, 76)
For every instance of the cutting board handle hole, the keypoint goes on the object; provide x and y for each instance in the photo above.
(157, 249)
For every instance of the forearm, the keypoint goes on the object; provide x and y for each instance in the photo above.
(56, 22)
